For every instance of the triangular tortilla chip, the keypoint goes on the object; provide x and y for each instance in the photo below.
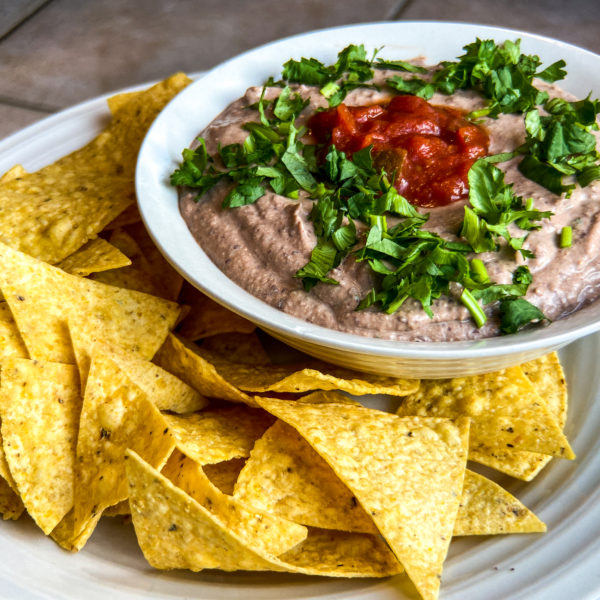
(548, 379)
(505, 411)
(264, 532)
(64, 533)
(186, 363)
(116, 415)
(175, 531)
(11, 506)
(166, 391)
(407, 473)
(40, 407)
(11, 342)
(95, 256)
(53, 212)
(42, 298)
(218, 434)
(488, 509)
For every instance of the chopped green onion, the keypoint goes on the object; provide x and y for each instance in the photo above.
(474, 308)
(479, 271)
(566, 237)
(529, 204)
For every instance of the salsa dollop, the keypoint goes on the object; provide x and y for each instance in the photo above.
(429, 148)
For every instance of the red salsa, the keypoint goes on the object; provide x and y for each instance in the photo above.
(430, 148)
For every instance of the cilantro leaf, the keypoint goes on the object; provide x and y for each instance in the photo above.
(516, 313)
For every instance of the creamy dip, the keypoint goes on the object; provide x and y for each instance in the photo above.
(261, 246)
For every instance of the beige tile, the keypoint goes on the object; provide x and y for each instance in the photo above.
(13, 12)
(14, 118)
(72, 50)
(574, 21)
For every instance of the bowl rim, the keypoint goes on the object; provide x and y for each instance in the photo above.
(222, 289)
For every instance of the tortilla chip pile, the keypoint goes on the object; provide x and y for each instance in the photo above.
(223, 459)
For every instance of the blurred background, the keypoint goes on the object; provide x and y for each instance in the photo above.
(56, 53)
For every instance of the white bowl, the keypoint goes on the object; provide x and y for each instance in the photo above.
(197, 105)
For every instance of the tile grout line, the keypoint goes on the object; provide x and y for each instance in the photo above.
(16, 103)
(24, 20)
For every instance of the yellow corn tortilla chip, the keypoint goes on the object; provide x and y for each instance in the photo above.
(138, 275)
(40, 407)
(330, 397)
(174, 531)
(129, 216)
(116, 102)
(116, 415)
(168, 280)
(243, 348)
(504, 408)
(266, 533)
(286, 477)
(218, 434)
(64, 533)
(53, 212)
(13, 173)
(299, 378)
(11, 506)
(224, 474)
(164, 390)
(11, 343)
(488, 509)
(94, 256)
(42, 298)
(186, 363)
(121, 509)
(207, 317)
(407, 474)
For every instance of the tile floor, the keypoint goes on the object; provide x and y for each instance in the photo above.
(56, 53)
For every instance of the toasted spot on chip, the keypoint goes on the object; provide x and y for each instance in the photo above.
(488, 509)
(287, 477)
(184, 361)
(218, 434)
(40, 407)
(505, 410)
(263, 532)
(42, 298)
(94, 256)
(407, 474)
(207, 317)
(175, 531)
(116, 415)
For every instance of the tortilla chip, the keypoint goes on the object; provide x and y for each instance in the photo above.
(268, 534)
(286, 477)
(120, 509)
(242, 348)
(168, 280)
(174, 531)
(53, 212)
(407, 474)
(185, 362)
(331, 397)
(504, 408)
(116, 102)
(207, 318)
(64, 533)
(13, 173)
(11, 506)
(11, 342)
(4, 469)
(138, 275)
(129, 216)
(488, 509)
(225, 474)
(42, 298)
(116, 415)
(40, 407)
(164, 390)
(218, 434)
(299, 378)
(95, 256)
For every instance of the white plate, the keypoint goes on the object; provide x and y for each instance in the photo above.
(561, 564)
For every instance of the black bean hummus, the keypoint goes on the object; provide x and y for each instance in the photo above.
(261, 246)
